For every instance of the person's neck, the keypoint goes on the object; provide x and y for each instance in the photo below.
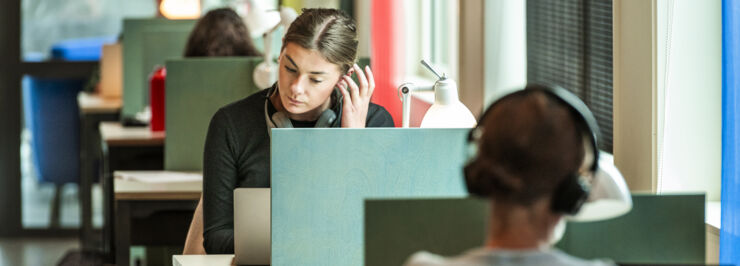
(514, 227)
(312, 115)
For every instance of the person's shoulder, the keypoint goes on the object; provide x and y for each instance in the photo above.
(378, 116)
(374, 108)
(473, 257)
(423, 258)
(242, 111)
(564, 259)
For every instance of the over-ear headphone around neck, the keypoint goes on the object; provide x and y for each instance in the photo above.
(573, 191)
(280, 119)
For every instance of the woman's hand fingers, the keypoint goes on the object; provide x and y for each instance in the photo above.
(346, 99)
(370, 80)
(362, 79)
(353, 89)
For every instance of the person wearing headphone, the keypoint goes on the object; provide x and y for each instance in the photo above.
(535, 158)
(314, 89)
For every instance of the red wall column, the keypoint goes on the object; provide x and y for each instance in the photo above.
(386, 54)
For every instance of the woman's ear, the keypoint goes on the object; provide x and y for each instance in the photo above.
(350, 71)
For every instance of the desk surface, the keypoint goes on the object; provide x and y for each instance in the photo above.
(114, 134)
(198, 260)
(132, 189)
(95, 104)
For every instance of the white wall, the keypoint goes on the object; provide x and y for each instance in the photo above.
(505, 47)
(689, 81)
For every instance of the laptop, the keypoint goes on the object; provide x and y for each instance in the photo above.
(252, 226)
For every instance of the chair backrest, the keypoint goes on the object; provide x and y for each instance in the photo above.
(53, 118)
(659, 229)
(146, 44)
(320, 178)
(195, 89)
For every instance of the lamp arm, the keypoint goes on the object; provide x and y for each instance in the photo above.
(267, 42)
(404, 91)
(404, 94)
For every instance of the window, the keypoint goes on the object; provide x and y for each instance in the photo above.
(45, 23)
(569, 43)
(431, 34)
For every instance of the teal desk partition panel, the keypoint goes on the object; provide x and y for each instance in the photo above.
(195, 89)
(320, 178)
(147, 43)
(660, 229)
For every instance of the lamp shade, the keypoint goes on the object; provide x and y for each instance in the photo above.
(265, 74)
(447, 110)
(609, 197)
(260, 21)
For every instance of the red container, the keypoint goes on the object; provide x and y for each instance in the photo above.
(156, 98)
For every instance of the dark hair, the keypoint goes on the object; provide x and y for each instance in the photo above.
(530, 142)
(221, 32)
(329, 31)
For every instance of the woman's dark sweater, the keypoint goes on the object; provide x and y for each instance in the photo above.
(237, 154)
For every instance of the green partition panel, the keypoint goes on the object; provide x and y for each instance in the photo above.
(660, 229)
(147, 43)
(320, 178)
(395, 229)
(195, 89)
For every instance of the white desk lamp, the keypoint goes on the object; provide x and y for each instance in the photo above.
(609, 197)
(263, 23)
(447, 110)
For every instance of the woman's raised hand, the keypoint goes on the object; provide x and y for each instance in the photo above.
(356, 98)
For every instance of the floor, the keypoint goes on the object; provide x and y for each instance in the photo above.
(35, 251)
(36, 212)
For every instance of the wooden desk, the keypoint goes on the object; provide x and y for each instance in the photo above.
(201, 260)
(94, 104)
(129, 189)
(93, 110)
(124, 148)
(137, 204)
(114, 134)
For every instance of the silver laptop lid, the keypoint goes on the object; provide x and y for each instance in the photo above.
(252, 226)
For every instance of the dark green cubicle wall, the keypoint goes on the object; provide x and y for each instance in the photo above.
(195, 90)
(659, 229)
(395, 229)
(147, 43)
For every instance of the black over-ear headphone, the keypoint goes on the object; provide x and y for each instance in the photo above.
(573, 191)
